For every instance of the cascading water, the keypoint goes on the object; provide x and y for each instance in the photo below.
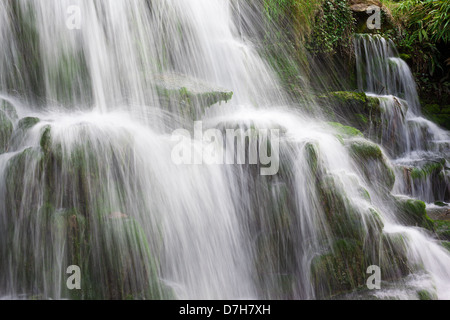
(417, 143)
(87, 177)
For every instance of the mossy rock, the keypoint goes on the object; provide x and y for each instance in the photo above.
(345, 131)
(439, 114)
(373, 163)
(188, 96)
(428, 168)
(126, 256)
(442, 229)
(23, 166)
(46, 139)
(413, 212)
(341, 270)
(6, 130)
(440, 203)
(431, 172)
(426, 295)
(9, 110)
(28, 123)
(364, 149)
(354, 109)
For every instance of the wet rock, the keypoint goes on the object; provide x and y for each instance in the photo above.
(413, 212)
(426, 295)
(9, 110)
(28, 122)
(46, 140)
(345, 131)
(439, 114)
(437, 212)
(354, 109)
(189, 94)
(426, 178)
(363, 5)
(6, 130)
(362, 11)
(372, 161)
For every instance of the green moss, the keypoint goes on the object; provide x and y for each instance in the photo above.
(346, 131)
(364, 193)
(344, 220)
(370, 159)
(6, 130)
(365, 150)
(28, 122)
(359, 110)
(426, 295)
(428, 169)
(413, 212)
(312, 156)
(438, 113)
(442, 229)
(405, 56)
(341, 270)
(188, 96)
(46, 139)
(363, 119)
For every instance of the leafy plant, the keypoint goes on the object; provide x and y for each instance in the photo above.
(429, 20)
(333, 28)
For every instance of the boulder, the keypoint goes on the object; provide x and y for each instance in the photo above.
(354, 109)
(188, 95)
(413, 212)
(363, 5)
(373, 163)
(6, 130)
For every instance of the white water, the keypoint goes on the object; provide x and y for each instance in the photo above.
(213, 232)
(410, 138)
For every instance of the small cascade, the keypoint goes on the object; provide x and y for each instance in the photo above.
(419, 147)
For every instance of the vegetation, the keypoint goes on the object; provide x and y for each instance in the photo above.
(333, 29)
(423, 38)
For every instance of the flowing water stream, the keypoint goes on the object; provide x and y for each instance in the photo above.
(87, 176)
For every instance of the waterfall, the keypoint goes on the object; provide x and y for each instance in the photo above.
(413, 141)
(87, 176)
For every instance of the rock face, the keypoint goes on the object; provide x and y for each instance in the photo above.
(426, 178)
(8, 115)
(438, 114)
(363, 5)
(6, 129)
(188, 95)
(355, 109)
(360, 12)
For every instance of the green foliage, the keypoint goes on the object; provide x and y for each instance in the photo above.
(427, 24)
(333, 29)
(296, 14)
(423, 35)
(428, 20)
